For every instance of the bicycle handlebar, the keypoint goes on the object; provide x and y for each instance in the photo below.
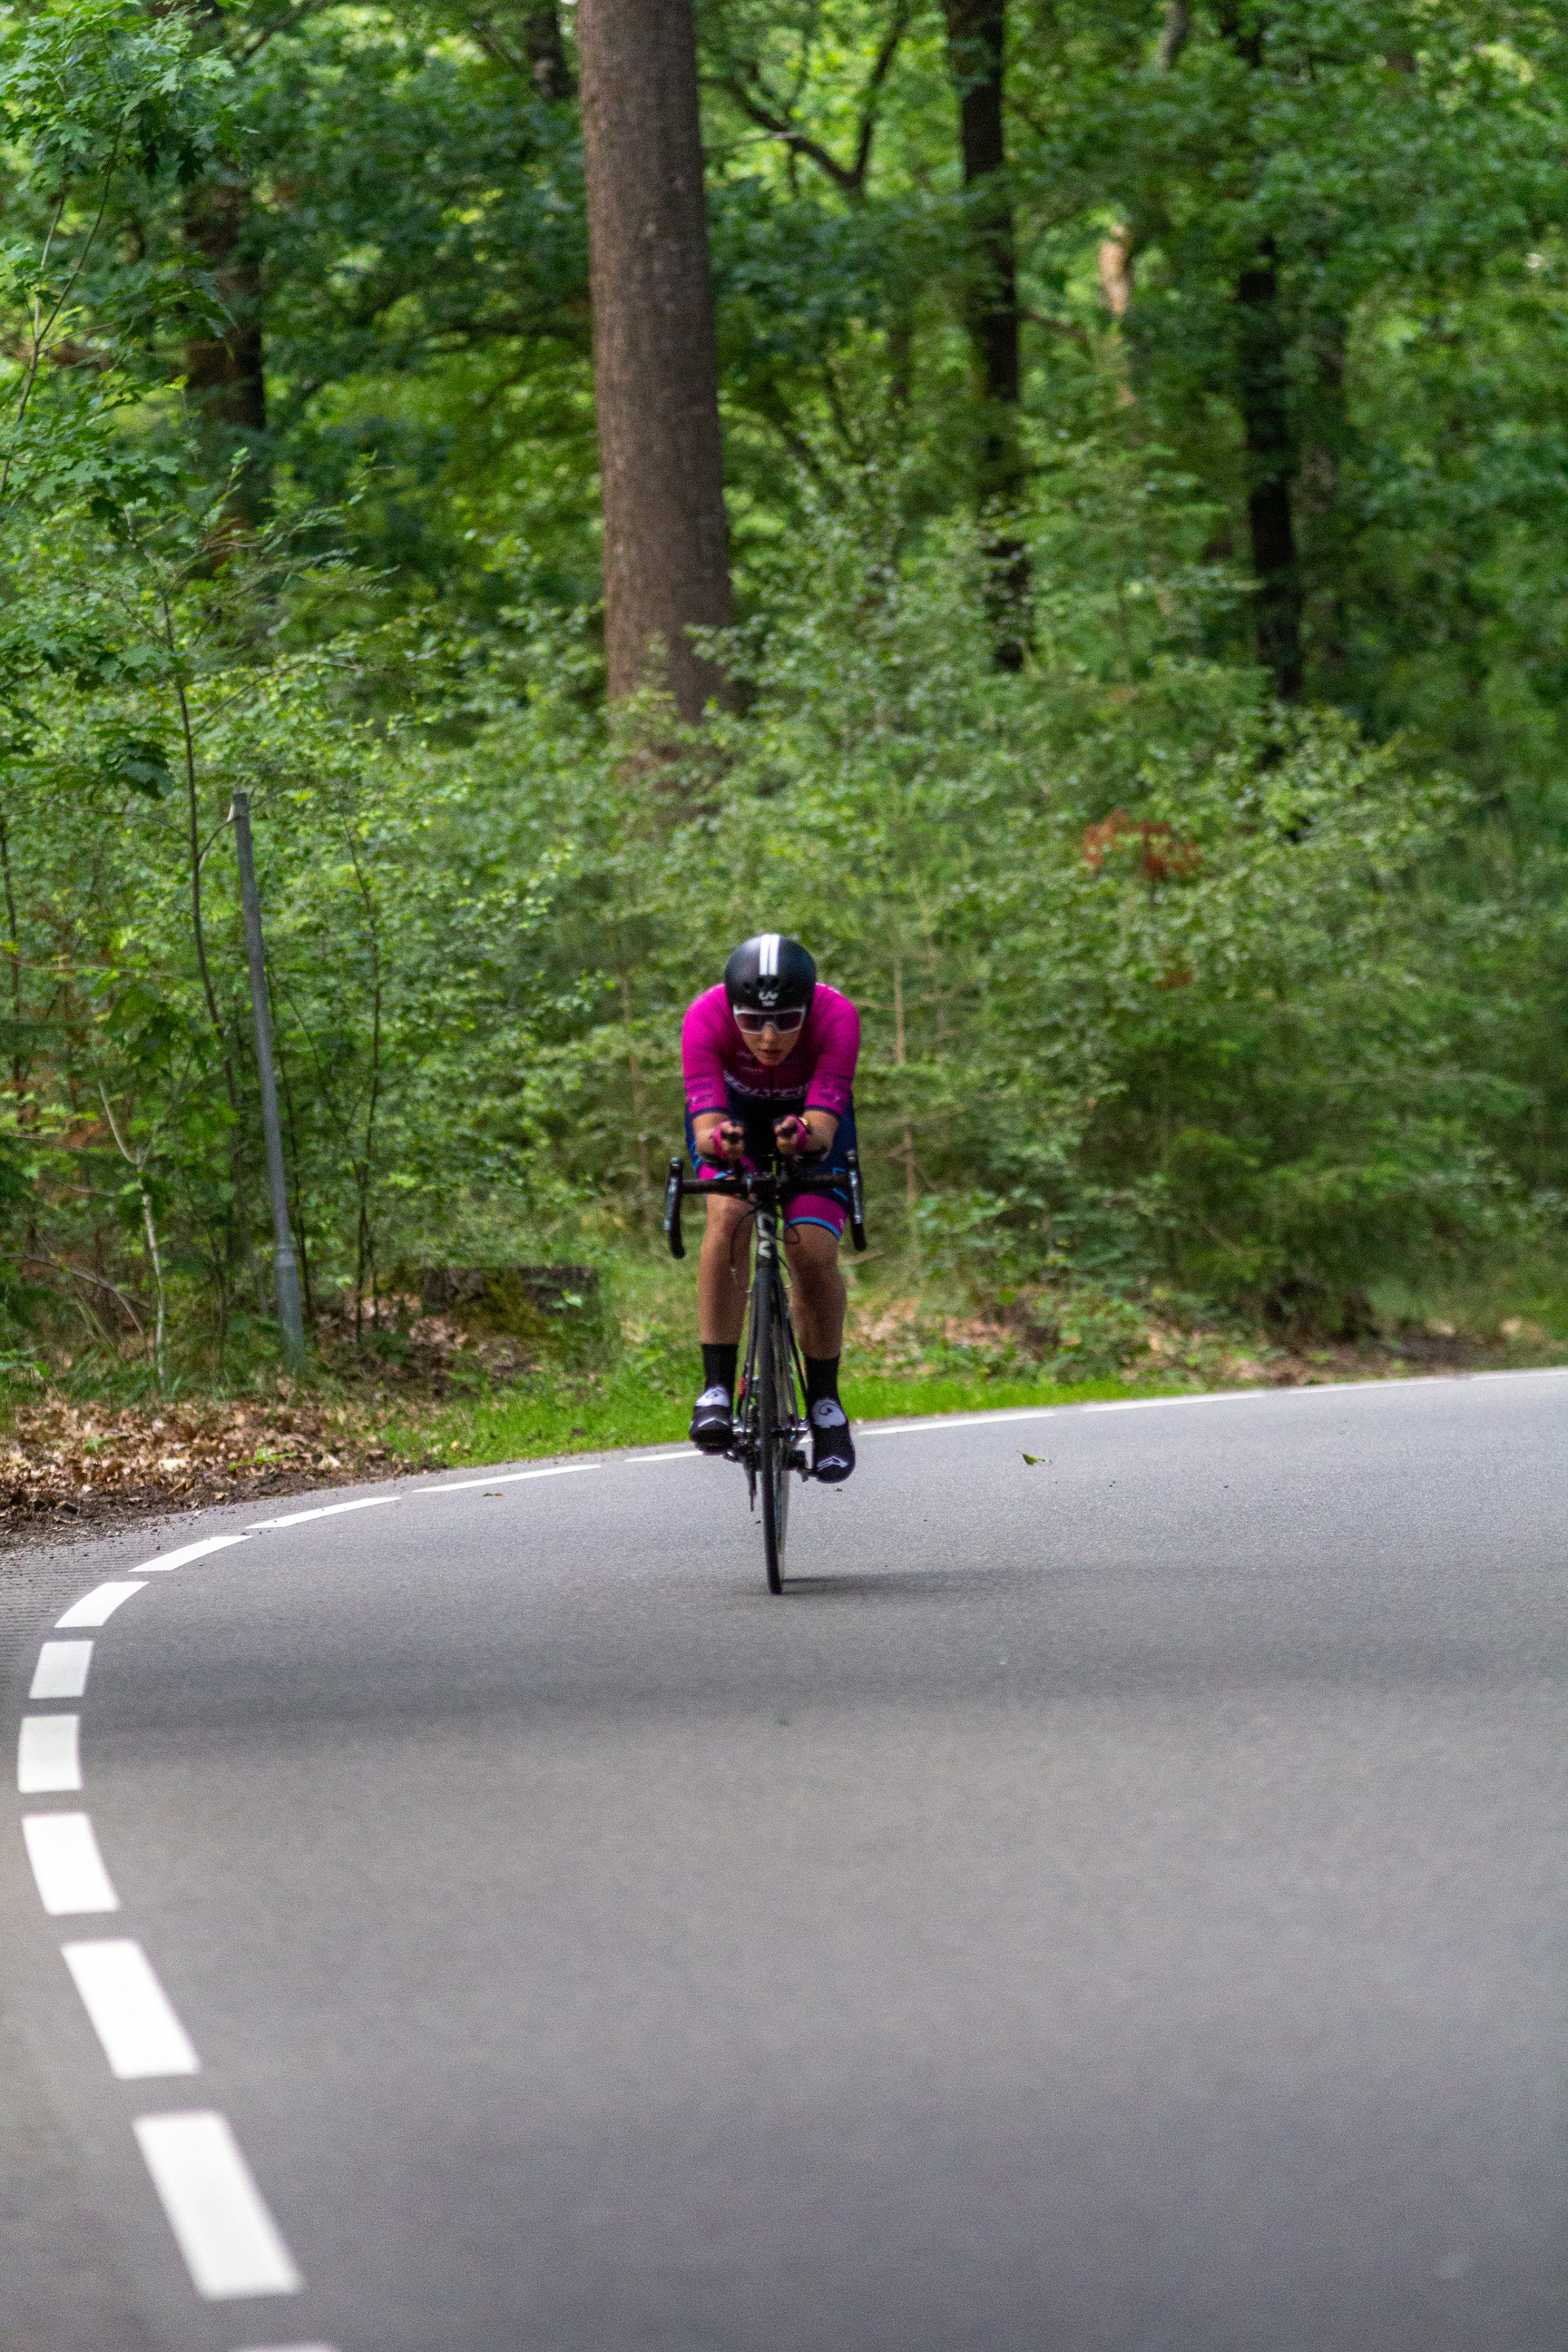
(770, 1185)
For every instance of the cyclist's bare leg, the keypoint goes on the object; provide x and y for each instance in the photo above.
(818, 1283)
(723, 1272)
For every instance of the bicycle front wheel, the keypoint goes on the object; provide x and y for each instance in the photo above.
(775, 1425)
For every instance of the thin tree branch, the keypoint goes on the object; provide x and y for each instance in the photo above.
(63, 1265)
(30, 380)
(798, 141)
(284, 23)
(881, 67)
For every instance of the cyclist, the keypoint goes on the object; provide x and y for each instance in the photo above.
(769, 1060)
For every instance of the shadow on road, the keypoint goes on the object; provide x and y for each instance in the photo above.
(933, 1583)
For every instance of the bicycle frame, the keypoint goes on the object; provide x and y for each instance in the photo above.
(769, 1270)
(770, 1424)
(768, 1193)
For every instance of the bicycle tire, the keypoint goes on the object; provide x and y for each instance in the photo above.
(788, 1417)
(774, 1425)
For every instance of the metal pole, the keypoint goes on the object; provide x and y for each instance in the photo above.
(285, 1271)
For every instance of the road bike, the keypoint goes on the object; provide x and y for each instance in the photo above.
(771, 1426)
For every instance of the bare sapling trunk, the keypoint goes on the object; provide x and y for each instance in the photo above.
(137, 1161)
(19, 1060)
(656, 368)
(198, 932)
(907, 1148)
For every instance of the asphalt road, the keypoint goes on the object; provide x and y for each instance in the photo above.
(1114, 1904)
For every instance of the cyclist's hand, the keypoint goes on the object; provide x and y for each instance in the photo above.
(727, 1141)
(792, 1135)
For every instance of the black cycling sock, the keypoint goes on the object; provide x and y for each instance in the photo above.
(719, 1360)
(821, 1378)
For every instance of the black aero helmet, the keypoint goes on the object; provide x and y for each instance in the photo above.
(770, 974)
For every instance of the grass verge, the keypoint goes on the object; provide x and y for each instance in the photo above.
(524, 1424)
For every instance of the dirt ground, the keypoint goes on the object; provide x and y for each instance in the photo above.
(68, 1468)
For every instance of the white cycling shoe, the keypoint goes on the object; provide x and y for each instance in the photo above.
(832, 1447)
(713, 1422)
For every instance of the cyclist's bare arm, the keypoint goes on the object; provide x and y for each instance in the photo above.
(719, 1137)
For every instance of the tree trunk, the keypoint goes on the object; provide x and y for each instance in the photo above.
(224, 375)
(1263, 396)
(976, 54)
(1263, 393)
(1175, 35)
(1324, 437)
(546, 51)
(656, 368)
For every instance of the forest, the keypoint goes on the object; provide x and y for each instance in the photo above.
(1116, 614)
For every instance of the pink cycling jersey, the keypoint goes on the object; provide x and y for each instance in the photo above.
(818, 1070)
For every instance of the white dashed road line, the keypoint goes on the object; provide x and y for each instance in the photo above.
(231, 2243)
(48, 1757)
(62, 1670)
(221, 2223)
(131, 2013)
(68, 1864)
(97, 1607)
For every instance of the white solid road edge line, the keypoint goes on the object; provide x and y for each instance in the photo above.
(62, 1670)
(97, 1607)
(48, 1755)
(508, 1478)
(982, 1418)
(1209, 1396)
(192, 1551)
(67, 1863)
(230, 2242)
(963, 1420)
(132, 2015)
(326, 1511)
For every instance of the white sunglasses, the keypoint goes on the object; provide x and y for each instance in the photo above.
(783, 1025)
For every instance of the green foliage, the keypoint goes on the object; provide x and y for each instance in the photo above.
(1166, 989)
(98, 104)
